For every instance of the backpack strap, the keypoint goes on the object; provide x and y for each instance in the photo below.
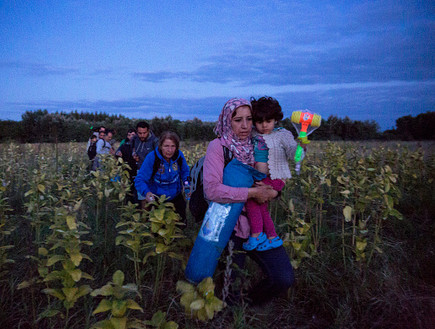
(156, 164)
(228, 155)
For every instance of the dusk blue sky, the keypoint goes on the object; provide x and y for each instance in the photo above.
(368, 60)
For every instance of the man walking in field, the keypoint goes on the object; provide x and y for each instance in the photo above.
(144, 142)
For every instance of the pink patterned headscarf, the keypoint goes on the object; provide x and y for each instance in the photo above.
(242, 149)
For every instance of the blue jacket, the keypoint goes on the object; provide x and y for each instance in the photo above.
(168, 178)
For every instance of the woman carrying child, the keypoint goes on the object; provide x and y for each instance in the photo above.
(273, 147)
(233, 131)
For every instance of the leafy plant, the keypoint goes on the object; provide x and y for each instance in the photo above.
(65, 249)
(200, 302)
(158, 321)
(117, 303)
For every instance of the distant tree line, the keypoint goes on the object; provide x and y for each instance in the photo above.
(41, 126)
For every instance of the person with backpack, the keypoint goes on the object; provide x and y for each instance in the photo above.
(233, 132)
(103, 147)
(125, 151)
(164, 172)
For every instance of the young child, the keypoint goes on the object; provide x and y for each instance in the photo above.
(273, 147)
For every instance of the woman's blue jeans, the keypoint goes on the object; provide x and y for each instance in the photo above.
(276, 266)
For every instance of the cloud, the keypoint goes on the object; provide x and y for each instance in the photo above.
(37, 69)
(368, 41)
(383, 102)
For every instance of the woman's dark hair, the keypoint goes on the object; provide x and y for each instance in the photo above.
(169, 135)
(266, 108)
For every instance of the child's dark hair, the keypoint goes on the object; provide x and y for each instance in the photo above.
(266, 108)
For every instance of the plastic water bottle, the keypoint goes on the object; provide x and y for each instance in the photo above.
(187, 189)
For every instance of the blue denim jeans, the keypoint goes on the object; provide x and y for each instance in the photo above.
(276, 266)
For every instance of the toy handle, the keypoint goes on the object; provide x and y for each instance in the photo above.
(299, 155)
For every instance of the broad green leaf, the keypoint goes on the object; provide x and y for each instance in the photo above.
(48, 314)
(217, 304)
(107, 192)
(70, 293)
(158, 319)
(42, 251)
(131, 304)
(187, 298)
(159, 214)
(54, 275)
(170, 325)
(76, 274)
(28, 193)
(103, 306)
(347, 212)
(296, 245)
(87, 276)
(396, 213)
(25, 284)
(41, 188)
(76, 258)
(209, 310)
(183, 287)
(119, 307)
(119, 323)
(206, 286)
(77, 205)
(202, 315)
(54, 292)
(118, 278)
(106, 290)
(361, 245)
(197, 304)
(160, 248)
(54, 259)
(71, 222)
(83, 290)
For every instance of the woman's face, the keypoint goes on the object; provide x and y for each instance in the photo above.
(168, 149)
(241, 123)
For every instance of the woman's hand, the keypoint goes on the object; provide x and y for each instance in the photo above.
(262, 193)
(149, 197)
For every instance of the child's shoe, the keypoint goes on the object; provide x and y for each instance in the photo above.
(270, 244)
(252, 242)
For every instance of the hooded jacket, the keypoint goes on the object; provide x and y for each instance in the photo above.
(142, 149)
(168, 178)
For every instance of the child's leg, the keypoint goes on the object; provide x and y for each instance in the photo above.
(269, 227)
(253, 210)
(257, 237)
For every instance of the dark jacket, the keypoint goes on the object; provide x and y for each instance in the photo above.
(127, 155)
(143, 148)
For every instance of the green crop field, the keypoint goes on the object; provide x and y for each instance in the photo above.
(358, 224)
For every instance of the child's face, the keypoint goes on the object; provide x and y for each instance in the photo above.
(266, 126)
